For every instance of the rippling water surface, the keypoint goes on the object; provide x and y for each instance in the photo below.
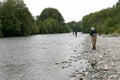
(37, 57)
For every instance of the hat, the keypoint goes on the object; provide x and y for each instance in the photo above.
(92, 28)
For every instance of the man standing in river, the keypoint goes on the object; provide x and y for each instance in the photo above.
(76, 33)
(93, 35)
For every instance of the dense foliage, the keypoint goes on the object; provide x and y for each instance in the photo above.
(16, 19)
(106, 21)
(1, 34)
(74, 26)
(51, 21)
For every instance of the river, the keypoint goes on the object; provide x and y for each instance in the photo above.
(38, 57)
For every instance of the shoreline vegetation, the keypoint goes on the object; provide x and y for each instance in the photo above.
(16, 20)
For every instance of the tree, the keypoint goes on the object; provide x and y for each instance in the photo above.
(1, 34)
(51, 21)
(105, 21)
(16, 19)
(118, 3)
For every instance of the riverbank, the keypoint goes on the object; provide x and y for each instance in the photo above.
(59, 57)
(103, 63)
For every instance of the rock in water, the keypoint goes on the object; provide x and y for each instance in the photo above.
(93, 63)
(106, 67)
(81, 78)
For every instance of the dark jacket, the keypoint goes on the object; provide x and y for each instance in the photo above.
(93, 32)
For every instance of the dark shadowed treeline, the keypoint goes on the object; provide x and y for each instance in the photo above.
(16, 20)
(106, 21)
(51, 21)
(74, 26)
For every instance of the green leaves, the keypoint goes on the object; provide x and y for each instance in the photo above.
(105, 21)
(51, 21)
(74, 26)
(51, 13)
(16, 19)
(1, 34)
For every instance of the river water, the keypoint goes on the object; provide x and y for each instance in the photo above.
(38, 57)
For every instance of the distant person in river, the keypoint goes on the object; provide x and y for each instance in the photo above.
(93, 34)
(73, 32)
(76, 33)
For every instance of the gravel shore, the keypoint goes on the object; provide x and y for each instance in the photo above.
(102, 63)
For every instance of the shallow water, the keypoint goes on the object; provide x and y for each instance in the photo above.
(38, 57)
